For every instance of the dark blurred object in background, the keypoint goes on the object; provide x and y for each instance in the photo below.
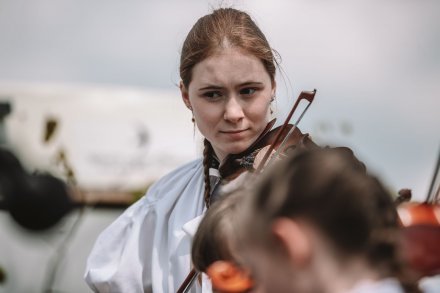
(35, 201)
(5, 109)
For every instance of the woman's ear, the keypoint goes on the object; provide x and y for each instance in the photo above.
(185, 95)
(294, 239)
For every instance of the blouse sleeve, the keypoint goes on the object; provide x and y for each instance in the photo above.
(147, 246)
(116, 264)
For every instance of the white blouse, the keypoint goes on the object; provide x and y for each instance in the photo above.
(147, 249)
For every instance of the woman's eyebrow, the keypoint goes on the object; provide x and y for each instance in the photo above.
(243, 84)
(211, 87)
(247, 83)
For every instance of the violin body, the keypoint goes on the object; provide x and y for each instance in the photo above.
(420, 224)
(421, 236)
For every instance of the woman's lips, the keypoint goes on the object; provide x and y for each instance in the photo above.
(233, 131)
(235, 134)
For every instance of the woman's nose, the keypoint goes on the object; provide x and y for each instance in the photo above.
(233, 110)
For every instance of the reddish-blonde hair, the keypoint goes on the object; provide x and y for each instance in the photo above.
(224, 27)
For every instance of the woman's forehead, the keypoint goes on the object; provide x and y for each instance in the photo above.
(229, 66)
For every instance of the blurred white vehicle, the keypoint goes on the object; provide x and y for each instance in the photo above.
(113, 138)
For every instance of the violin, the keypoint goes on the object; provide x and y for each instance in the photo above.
(420, 224)
(270, 145)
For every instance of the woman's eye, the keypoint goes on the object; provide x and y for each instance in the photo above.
(212, 95)
(248, 91)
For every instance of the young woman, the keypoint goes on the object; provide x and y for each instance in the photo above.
(320, 223)
(228, 83)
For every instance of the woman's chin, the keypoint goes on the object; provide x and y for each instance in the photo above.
(239, 148)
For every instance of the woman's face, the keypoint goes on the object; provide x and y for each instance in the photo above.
(230, 94)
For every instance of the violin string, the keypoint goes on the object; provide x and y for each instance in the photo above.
(303, 95)
(280, 147)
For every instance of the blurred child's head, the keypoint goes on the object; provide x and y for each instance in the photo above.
(314, 212)
(213, 248)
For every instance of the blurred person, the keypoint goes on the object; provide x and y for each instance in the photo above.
(319, 223)
(214, 250)
(215, 241)
(227, 71)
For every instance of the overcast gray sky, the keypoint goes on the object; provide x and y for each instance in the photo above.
(375, 64)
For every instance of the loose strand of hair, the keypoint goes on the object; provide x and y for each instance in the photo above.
(284, 76)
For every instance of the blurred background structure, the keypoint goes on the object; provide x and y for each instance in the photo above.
(95, 82)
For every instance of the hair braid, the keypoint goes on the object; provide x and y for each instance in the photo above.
(207, 155)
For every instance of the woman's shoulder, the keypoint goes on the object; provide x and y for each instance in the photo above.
(166, 190)
(189, 174)
(167, 187)
(186, 170)
(180, 176)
